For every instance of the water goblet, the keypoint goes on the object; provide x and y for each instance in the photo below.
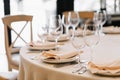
(74, 19)
(78, 44)
(56, 28)
(91, 36)
(66, 21)
(42, 33)
(100, 17)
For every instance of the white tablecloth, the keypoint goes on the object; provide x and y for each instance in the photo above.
(33, 69)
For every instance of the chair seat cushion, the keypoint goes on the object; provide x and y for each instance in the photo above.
(15, 59)
(9, 75)
(15, 50)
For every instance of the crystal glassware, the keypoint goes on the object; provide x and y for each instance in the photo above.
(100, 17)
(74, 19)
(55, 27)
(91, 36)
(78, 43)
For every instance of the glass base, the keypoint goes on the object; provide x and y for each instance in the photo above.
(101, 34)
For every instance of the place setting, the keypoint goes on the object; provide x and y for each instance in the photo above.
(109, 69)
(56, 57)
(38, 45)
(59, 57)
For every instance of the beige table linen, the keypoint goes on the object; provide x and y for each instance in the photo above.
(33, 69)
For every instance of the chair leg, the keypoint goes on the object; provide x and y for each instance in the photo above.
(1, 78)
(9, 68)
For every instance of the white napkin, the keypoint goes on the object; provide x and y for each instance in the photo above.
(58, 54)
(111, 30)
(112, 68)
(40, 44)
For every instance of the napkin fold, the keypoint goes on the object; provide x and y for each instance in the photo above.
(58, 54)
(40, 44)
(111, 68)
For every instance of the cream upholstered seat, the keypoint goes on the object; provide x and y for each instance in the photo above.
(25, 21)
(8, 75)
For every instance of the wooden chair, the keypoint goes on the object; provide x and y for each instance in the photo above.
(86, 14)
(11, 50)
(83, 14)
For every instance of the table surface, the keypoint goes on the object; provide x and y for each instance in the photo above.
(34, 69)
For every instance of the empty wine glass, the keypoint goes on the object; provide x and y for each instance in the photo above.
(42, 33)
(100, 17)
(74, 19)
(78, 44)
(66, 22)
(91, 36)
(56, 28)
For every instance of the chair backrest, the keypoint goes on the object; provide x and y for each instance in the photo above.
(86, 14)
(2, 78)
(8, 21)
(83, 14)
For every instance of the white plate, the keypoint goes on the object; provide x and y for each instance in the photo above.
(41, 48)
(59, 61)
(63, 38)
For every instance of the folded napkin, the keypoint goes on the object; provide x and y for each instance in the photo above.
(112, 68)
(61, 38)
(111, 30)
(40, 44)
(58, 54)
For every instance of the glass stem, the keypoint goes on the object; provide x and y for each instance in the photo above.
(101, 27)
(56, 42)
(91, 56)
(73, 34)
(67, 29)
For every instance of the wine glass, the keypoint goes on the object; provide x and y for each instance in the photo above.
(100, 17)
(56, 28)
(42, 33)
(66, 22)
(78, 43)
(91, 36)
(74, 19)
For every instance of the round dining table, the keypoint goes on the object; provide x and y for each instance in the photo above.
(33, 68)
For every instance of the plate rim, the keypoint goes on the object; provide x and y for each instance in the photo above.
(41, 48)
(59, 40)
